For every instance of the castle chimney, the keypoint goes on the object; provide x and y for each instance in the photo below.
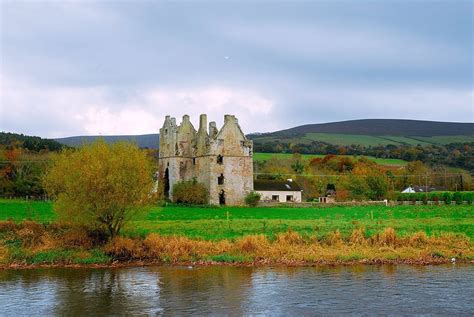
(202, 122)
(212, 129)
(185, 118)
(167, 117)
(227, 117)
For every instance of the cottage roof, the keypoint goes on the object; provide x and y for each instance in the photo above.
(423, 189)
(275, 185)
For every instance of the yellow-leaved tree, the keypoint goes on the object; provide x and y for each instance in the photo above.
(100, 186)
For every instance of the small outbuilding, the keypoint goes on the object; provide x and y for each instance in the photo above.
(278, 190)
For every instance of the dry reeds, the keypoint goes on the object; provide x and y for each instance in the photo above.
(358, 237)
(121, 248)
(288, 247)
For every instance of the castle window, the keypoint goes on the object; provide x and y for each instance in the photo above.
(220, 159)
(222, 197)
(166, 131)
(220, 180)
(275, 198)
(194, 161)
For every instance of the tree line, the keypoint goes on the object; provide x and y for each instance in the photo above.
(454, 154)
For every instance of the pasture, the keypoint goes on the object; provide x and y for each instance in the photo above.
(368, 140)
(266, 156)
(217, 223)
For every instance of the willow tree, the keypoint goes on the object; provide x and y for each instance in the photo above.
(100, 186)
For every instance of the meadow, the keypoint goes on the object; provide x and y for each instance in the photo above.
(266, 156)
(217, 223)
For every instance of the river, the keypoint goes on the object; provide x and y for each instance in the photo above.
(225, 290)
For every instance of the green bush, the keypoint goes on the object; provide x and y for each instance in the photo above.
(252, 198)
(468, 196)
(447, 197)
(457, 197)
(190, 192)
(434, 196)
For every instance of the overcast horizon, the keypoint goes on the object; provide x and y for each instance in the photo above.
(117, 68)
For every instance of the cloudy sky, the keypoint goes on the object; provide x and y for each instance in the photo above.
(118, 67)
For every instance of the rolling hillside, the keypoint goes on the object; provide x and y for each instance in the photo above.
(395, 127)
(373, 132)
(369, 132)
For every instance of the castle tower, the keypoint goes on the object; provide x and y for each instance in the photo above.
(220, 160)
(231, 164)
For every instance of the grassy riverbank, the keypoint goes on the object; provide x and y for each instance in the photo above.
(374, 234)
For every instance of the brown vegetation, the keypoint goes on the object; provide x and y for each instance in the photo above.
(286, 248)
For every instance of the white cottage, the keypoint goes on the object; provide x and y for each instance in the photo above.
(278, 190)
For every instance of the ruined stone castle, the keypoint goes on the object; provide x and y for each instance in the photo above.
(219, 159)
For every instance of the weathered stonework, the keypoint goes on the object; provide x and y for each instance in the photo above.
(219, 159)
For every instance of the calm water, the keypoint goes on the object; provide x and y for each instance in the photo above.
(360, 290)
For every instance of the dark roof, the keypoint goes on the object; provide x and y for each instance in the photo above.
(422, 189)
(275, 185)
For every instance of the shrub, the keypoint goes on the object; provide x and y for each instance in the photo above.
(434, 196)
(252, 198)
(100, 186)
(77, 238)
(468, 196)
(457, 197)
(447, 198)
(121, 248)
(190, 192)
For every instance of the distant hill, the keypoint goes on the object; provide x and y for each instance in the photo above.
(150, 141)
(32, 143)
(367, 132)
(395, 127)
(372, 132)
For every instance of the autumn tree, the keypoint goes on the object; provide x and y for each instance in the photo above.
(100, 186)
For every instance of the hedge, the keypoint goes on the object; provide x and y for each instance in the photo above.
(446, 197)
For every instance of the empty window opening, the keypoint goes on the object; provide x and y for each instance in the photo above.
(222, 197)
(275, 198)
(220, 180)
(289, 197)
(194, 161)
(220, 159)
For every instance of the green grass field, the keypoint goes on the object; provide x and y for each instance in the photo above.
(232, 222)
(267, 156)
(369, 140)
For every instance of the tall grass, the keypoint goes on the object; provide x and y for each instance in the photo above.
(29, 243)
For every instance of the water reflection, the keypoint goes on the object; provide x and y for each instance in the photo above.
(388, 289)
